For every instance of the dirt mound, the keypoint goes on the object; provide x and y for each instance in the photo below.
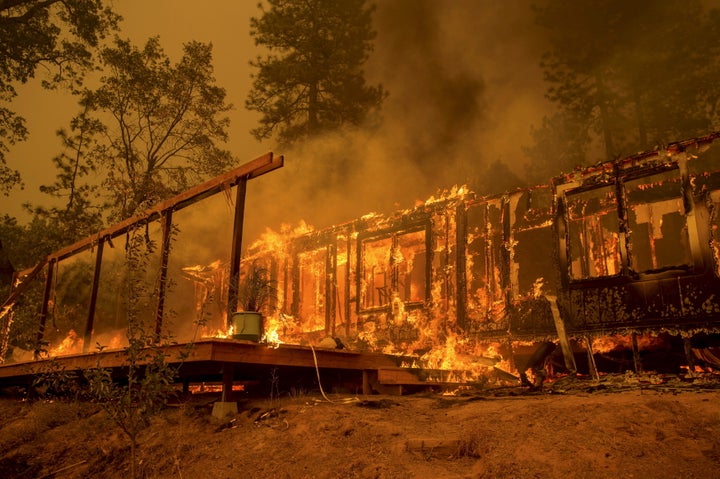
(641, 432)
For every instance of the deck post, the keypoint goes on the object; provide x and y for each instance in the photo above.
(90, 323)
(162, 282)
(236, 248)
(226, 406)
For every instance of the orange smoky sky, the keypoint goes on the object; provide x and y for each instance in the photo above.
(464, 90)
(225, 24)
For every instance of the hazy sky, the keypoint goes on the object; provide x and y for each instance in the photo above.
(464, 85)
(225, 23)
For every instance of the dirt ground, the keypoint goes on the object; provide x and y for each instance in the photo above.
(618, 428)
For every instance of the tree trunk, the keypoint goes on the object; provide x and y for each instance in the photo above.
(640, 117)
(604, 116)
(132, 458)
(313, 108)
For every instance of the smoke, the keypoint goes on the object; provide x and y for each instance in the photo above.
(464, 87)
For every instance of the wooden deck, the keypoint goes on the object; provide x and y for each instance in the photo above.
(224, 360)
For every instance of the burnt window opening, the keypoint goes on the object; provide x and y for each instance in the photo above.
(394, 266)
(534, 258)
(533, 207)
(593, 233)
(376, 275)
(410, 258)
(533, 269)
(658, 236)
(484, 266)
(309, 305)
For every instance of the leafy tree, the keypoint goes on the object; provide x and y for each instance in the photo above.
(57, 35)
(631, 71)
(311, 81)
(52, 228)
(152, 128)
(26, 244)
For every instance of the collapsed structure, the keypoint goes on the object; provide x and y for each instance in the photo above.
(628, 247)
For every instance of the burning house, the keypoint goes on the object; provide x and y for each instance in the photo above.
(621, 256)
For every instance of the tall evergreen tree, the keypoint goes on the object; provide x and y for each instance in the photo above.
(312, 81)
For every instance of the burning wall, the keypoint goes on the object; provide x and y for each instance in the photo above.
(625, 246)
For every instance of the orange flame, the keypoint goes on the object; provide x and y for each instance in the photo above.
(71, 344)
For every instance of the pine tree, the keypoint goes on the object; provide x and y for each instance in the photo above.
(311, 81)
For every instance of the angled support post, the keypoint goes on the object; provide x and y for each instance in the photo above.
(45, 303)
(90, 323)
(236, 248)
(562, 335)
(164, 257)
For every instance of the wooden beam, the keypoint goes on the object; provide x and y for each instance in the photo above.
(162, 281)
(228, 373)
(17, 291)
(236, 249)
(89, 324)
(592, 365)
(252, 169)
(45, 303)
(562, 335)
(637, 363)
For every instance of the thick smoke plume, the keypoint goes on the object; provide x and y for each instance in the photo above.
(464, 89)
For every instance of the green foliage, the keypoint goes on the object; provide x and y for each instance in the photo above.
(53, 381)
(144, 388)
(312, 81)
(257, 289)
(156, 125)
(26, 245)
(58, 35)
(80, 216)
(630, 75)
(142, 393)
